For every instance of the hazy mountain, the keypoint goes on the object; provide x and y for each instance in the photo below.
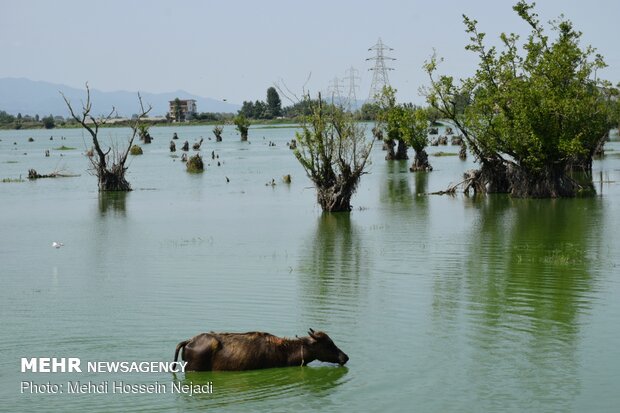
(28, 97)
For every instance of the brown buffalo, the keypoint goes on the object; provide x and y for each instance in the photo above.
(256, 350)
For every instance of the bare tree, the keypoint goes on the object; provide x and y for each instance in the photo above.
(109, 166)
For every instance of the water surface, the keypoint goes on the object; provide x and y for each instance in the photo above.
(448, 304)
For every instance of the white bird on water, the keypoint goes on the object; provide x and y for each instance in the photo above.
(57, 244)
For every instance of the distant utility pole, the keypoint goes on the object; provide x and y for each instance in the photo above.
(380, 71)
(351, 78)
(335, 90)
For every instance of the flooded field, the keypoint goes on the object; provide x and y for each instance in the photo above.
(447, 304)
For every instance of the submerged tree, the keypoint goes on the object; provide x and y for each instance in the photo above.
(108, 166)
(143, 131)
(390, 119)
(532, 119)
(195, 164)
(217, 131)
(415, 132)
(408, 126)
(243, 125)
(334, 152)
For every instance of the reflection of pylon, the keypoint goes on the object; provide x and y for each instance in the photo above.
(351, 78)
(380, 71)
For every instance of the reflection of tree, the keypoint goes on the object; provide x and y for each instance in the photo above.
(421, 184)
(334, 265)
(396, 189)
(264, 386)
(526, 282)
(112, 201)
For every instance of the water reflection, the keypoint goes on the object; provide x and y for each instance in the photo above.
(421, 184)
(396, 189)
(335, 267)
(527, 281)
(113, 202)
(247, 388)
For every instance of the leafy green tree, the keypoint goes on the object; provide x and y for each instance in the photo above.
(414, 130)
(243, 125)
(274, 104)
(334, 153)
(391, 118)
(48, 122)
(304, 107)
(6, 118)
(260, 110)
(369, 111)
(247, 109)
(407, 125)
(614, 106)
(534, 117)
(176, 110)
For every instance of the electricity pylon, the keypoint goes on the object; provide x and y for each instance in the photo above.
(380, 71)
(335, 91)
(350, 79)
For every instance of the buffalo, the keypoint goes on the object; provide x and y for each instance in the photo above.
(256, 350)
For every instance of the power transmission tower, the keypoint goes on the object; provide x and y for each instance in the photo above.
(380, 71)
(351, 78)
(335, 91)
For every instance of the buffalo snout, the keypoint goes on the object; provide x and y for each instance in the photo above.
(342, 358)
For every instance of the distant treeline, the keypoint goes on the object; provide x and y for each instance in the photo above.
(8, 121)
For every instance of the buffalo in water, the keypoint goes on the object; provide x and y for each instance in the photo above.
(256, 350)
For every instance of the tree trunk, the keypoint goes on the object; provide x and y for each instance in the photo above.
(463, 151)
(420, 162)
(401, 151)
(244, 136)
(553, 181)
(113, 180)
(336, 198)
(388, 145)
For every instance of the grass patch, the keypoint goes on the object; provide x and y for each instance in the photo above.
(445, 154)
(287, 126)
(11, 161)
(12, 180)
(64, 148)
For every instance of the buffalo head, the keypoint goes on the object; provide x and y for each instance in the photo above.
(324, 348)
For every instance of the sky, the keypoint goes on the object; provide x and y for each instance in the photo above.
(234, 50)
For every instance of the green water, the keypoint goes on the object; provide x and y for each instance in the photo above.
(443, 304)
